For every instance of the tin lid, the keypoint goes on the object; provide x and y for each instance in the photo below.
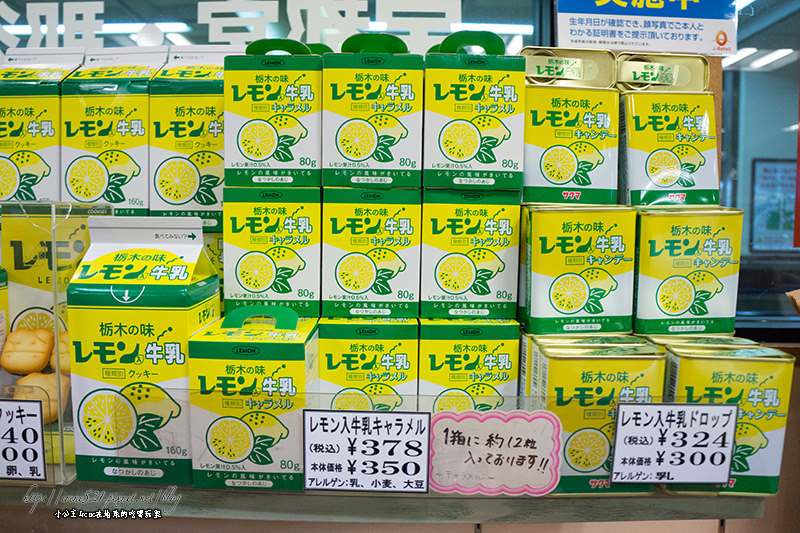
(662, 72)
(569, 67)
(730, 353)
(683, 210)
(593, 340)
(588, 352)
(588, 208)
(700, 340)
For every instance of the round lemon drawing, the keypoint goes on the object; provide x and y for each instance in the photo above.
(34, 318)
(388, 126)
(351, 399)
(229, 439)
(147, 398)
(356, 140)
(558, 164)
(208, 163)
(663, 167)
(255, 271)
(705, 281)
(599, 278)
(460, 140)
(675, 295)
(748, 434)
(107, 419)
(485, 259)
(9, 178)
(689, 155)
(86, 178)
(266, 425)
(455, 400)
(586, 152)
(485, 396)
(119, 163)
(288, 126)
(284, 257)
(586, 450)
(569, 293)
(384, 397)
(30, 163)
(386, 259)
(356, 273)
(455, 273)
(177, 180)
(492, 128)
(257, 140)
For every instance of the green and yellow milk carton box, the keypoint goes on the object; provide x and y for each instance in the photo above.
(759, 380)
(468, 364)
(581, 269)
(248, 390)
(186, 134)
(272, 246)
(372, 114)
(30, 123)
(687, 276)
(273, 116)
(571, 126)
(106, 128)
(583, 386)
(368, 364)
(474, 114)
(522, 287)
(213, 243)
(143, 288)
(3, 305)
(371, 243)
(470, 253)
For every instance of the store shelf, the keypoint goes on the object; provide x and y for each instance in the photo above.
(432, 508)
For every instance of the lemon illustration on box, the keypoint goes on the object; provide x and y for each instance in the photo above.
(372, 116)
(247, 434)
(273, 115)
(272, 244)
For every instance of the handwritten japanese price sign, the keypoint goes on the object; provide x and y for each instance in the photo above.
(366, 451)
(22, 453)
(674, 443)
(495, 453)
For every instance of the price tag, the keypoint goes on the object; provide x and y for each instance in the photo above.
(673, 443)
(21, 440)
(366, 451)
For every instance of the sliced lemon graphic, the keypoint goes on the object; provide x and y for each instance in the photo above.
(558, 164)
(177, 180)
(675, 295)
(455, 400)
(351, 400)
(663, 167)
(255, 271)
(705, 281)
(356, 273)
(460, 140)
(257, 140)
(147, 398)
(586, 450)
(356, 140)
(87, 178)
(229, 439)
(107, 419)
(455, 273)
(9, 178)
(568, 293)
(35, 318)
(30, 163)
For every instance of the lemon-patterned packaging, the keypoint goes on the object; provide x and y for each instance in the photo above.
(368, 364)
(186, 135)
(249, 385)
(3, 306)
(30, 123)
(470, 248)
(214, 249)
(522, 287)
(687, 275)
(106, 128)
(372, 114)
(143, 288)
(474, 114)
(273, 116)
(571, 126)
(580, 269)
(272, 247)
(759, 380)
(467, 364)
(371, 252)
(582, 386)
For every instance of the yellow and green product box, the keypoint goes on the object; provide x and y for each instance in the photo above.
(248, 391)
(30, 124)
(372, 114)
(580, 269)
(214, 249)
(272, 241)
(571, 131)
(687, 264)
(371, 251)
(106, 128)
(368, 364)
(701, 341)
(474, 114)
(3, 305)
(524, 253)
(186, 135)
(470, 253)
(468, 364)
(759, 380)
(583, 386)
(273, 116)
(143, 288)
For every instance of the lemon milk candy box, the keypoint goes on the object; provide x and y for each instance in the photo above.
(272, 242)
(248, 390)
(371, 252)
(186, 135)
(468, 364)
(474, 114)
(143, 288)
(273, 115)
(470, 248)
(372, 114)
(368, 364)
(30, 124)
(106, 128)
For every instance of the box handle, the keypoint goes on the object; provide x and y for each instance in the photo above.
(319, 48)
(264, 46)
(374, 43)
(456, 43)
(285, 318)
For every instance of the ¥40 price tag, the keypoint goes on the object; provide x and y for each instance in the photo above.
(21, 440)
(674, 443)
(366, 451)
